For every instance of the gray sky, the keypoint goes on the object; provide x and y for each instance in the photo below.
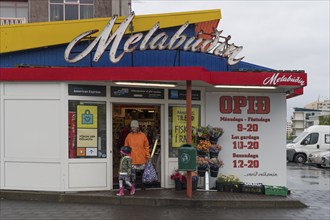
(284, 35)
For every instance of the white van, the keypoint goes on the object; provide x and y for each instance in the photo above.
(314, 138)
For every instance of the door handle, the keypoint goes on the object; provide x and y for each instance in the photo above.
(317, 146)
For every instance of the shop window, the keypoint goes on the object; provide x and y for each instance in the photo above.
(70, 9)
(177, 126)
(87, 129)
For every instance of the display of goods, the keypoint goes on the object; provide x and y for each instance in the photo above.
(255, 188)
(276, 190)
(228, 187)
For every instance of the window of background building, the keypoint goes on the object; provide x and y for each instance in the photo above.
(70, 9)
(177, 126)
(14, 9)
(87, 129)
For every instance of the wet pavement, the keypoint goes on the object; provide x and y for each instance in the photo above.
(307, 184)
(307, 177)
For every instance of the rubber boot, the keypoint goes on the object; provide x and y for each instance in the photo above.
(132, 189)
(121, 192)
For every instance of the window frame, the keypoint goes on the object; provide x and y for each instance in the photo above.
(65, 3)
(101, 128)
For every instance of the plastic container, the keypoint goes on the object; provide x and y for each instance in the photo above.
(276, 190)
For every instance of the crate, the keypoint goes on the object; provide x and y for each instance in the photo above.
(254, 188)
(276, 190)
(228, 187)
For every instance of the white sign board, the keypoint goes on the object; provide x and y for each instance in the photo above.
(254, 141)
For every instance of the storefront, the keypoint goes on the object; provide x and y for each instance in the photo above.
(62, 122)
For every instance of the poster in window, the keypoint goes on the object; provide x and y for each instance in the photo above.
(81, 152)
(86, 137)
(86, 116)
(179, 125)
(91, 152)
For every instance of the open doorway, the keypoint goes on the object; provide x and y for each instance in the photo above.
(149, 122)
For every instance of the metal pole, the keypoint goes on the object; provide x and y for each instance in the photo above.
(189, 134)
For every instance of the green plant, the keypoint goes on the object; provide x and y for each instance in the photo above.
(231, 179)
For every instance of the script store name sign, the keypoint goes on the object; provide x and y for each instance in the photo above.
(151, 41)
(253, 145)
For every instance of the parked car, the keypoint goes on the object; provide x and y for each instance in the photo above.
(316, 157)
(314, 138)
(325, 160)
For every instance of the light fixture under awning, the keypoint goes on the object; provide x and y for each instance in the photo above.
(244, 87)
(145, 84)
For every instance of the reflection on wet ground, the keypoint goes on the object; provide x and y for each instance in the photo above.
(307, 176)
(303, 176)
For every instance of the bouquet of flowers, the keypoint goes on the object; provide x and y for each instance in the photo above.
(202, 132)
(215, 164)
(202, 163)
(215, 131)
(177, 176)
(214, 150)
(203, 147)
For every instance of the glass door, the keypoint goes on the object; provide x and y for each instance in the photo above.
(149, 118)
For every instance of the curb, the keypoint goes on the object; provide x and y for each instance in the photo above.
(150, 201)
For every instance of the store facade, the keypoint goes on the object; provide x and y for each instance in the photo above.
(63, 120)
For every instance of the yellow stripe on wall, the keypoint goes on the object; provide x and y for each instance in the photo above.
(43, 34)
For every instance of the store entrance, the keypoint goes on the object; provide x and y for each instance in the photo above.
(149, 122)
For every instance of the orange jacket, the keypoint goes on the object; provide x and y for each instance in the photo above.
(140, 147)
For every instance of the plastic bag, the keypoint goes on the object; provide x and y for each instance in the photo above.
(149, 174)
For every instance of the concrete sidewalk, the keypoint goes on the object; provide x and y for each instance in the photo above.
(160, 197)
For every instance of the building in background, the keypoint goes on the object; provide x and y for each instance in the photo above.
(27, 11)
(309, 115)
(288, 129)
(319, 104)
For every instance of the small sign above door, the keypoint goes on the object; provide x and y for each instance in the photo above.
(127, 92)
(86, 90)
(180, 94)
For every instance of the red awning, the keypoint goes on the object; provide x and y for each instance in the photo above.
(291, 82)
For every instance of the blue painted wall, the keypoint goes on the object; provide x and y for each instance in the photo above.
(54, 56)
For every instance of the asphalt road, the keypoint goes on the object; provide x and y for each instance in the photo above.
(307, 183)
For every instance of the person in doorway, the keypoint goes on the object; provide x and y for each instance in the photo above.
(139, 143)
(125, 170)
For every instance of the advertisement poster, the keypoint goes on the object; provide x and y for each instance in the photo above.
(254, 139)
(72, 134)
(86, 130)
(179, 125)
(87, 138)
(86, 116)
